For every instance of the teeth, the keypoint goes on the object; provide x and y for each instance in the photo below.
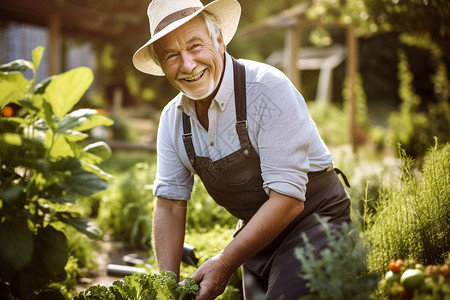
(195, 77)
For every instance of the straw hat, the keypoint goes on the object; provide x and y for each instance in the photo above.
(167, 15)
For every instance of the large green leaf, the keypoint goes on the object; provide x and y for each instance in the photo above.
(13, 87)
(18, 65)
(82, 120)
(16, 242)
(96, 170)
(11, 139)
(65, 90)
(86, 183)
(86, 227)
(37, 56)
(99, 149)
(61, 148)
(66, 164)
(51, 250)
(42, 86)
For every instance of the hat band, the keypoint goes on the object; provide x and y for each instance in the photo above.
(174, 17)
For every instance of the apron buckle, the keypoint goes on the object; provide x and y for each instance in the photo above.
(242, 122)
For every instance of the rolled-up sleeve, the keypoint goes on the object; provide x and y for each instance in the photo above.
(284, 138)
(173, 179)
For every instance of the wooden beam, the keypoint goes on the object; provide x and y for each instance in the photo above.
(292, 49)
(54, 57)
(352, 71)
(74, 18)
(287, 18)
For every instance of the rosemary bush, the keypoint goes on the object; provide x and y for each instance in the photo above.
(413, 219)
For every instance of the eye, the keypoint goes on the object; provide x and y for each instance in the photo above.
(171, 57)
(195, 47)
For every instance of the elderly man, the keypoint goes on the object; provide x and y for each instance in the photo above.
(244, 129)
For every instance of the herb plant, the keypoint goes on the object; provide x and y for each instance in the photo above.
(339, 271)
(413, 218)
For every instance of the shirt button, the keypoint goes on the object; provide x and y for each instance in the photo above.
(211, 144)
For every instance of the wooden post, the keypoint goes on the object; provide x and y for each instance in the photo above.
(291, 55)
(54, 53)
(352, 71)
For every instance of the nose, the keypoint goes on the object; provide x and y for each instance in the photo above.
(187, 62)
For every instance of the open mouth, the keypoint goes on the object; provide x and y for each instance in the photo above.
(194, 77)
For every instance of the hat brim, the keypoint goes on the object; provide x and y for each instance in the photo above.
(227, 13)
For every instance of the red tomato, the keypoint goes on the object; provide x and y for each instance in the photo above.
(395, 265)
(8, 111)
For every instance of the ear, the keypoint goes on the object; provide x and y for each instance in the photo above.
(221, 43)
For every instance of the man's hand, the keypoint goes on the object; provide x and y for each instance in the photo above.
(272, 217)
(212, 277)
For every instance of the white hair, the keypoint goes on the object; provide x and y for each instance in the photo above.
(213, 28)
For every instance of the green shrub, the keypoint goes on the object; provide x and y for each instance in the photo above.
(208, 243)
(341, 270)
(204, 213)
(126, 207)
(332, 122)
(411, 127)
(43, 170)
(413, 218)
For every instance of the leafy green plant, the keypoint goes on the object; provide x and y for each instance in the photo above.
(43, 171)
(208, 242)
(413, 217)
(204, 213)
(126, 207)
(339, 271)
(408, 127)
(333, 130)
(143, 286)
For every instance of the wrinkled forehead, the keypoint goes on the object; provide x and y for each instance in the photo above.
(194, 30)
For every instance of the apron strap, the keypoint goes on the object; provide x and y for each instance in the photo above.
(187, 138)
(240, 91)
(240, 95)
(339, 172)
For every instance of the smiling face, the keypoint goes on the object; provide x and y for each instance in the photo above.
(190, 60)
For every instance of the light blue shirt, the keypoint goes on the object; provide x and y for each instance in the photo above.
(278, 123)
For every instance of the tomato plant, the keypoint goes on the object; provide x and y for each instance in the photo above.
(414, 281)
(43, 169)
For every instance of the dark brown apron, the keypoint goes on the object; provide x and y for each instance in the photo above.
(235, 182)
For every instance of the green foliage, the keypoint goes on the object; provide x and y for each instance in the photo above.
(340, 271)
(361, 116)
(141, 286)
(126, 207)
(208, 242)
(413, 218)
(409, 126)
(43, 171)
(333, 130)
(204, 212)
(372, 17)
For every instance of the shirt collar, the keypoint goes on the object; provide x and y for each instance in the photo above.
(223, 96)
